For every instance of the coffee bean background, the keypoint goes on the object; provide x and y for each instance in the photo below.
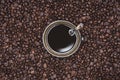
(23, 56)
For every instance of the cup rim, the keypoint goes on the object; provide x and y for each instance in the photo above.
(53, 52)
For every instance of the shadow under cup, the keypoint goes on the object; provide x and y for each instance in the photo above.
(57, 40)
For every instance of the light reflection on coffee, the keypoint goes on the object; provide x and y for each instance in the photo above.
(66, 48)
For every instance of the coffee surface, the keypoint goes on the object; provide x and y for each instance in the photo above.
(60, 40)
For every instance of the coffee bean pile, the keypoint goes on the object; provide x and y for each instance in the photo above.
(23, 56)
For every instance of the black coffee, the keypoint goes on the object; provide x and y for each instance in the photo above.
(60, 40)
